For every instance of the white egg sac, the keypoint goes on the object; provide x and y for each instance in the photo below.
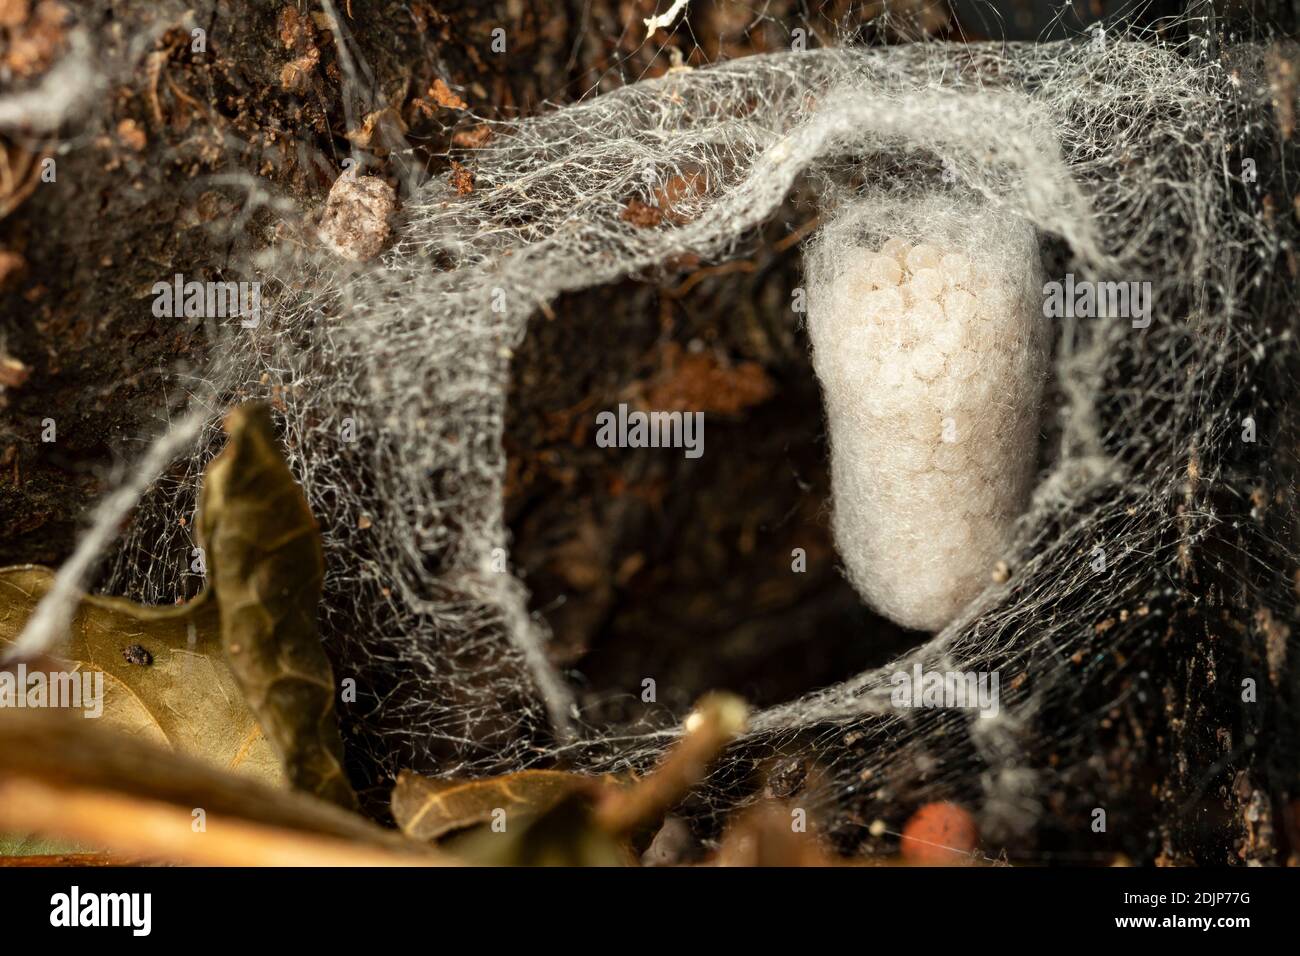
(932, 358)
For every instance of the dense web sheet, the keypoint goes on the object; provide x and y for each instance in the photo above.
(1122, 155)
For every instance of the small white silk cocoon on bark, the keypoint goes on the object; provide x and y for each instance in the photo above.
(931, 347)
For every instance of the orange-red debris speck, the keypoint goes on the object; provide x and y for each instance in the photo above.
(939, 834)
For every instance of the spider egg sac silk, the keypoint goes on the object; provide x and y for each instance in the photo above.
(931, 357)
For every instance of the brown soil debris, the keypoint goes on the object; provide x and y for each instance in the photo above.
(131, 135)
(462, 178)
(472, 138)
(641, 215)
(34, 38)
(443, 95)
(698, 381)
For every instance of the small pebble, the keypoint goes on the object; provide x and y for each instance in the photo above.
(357, 221)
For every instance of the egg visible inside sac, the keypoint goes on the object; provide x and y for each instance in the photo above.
(932, 360)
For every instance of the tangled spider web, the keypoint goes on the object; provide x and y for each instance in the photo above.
(1125, 156)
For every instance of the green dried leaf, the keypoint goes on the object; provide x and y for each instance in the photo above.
(265, 569)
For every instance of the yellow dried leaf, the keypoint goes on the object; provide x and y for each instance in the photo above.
(185, 698)
(76, 780)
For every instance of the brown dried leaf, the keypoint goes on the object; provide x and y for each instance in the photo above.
(428, 809)
(68, 778)
(265, 569)
(565, 835)
(552, 818)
